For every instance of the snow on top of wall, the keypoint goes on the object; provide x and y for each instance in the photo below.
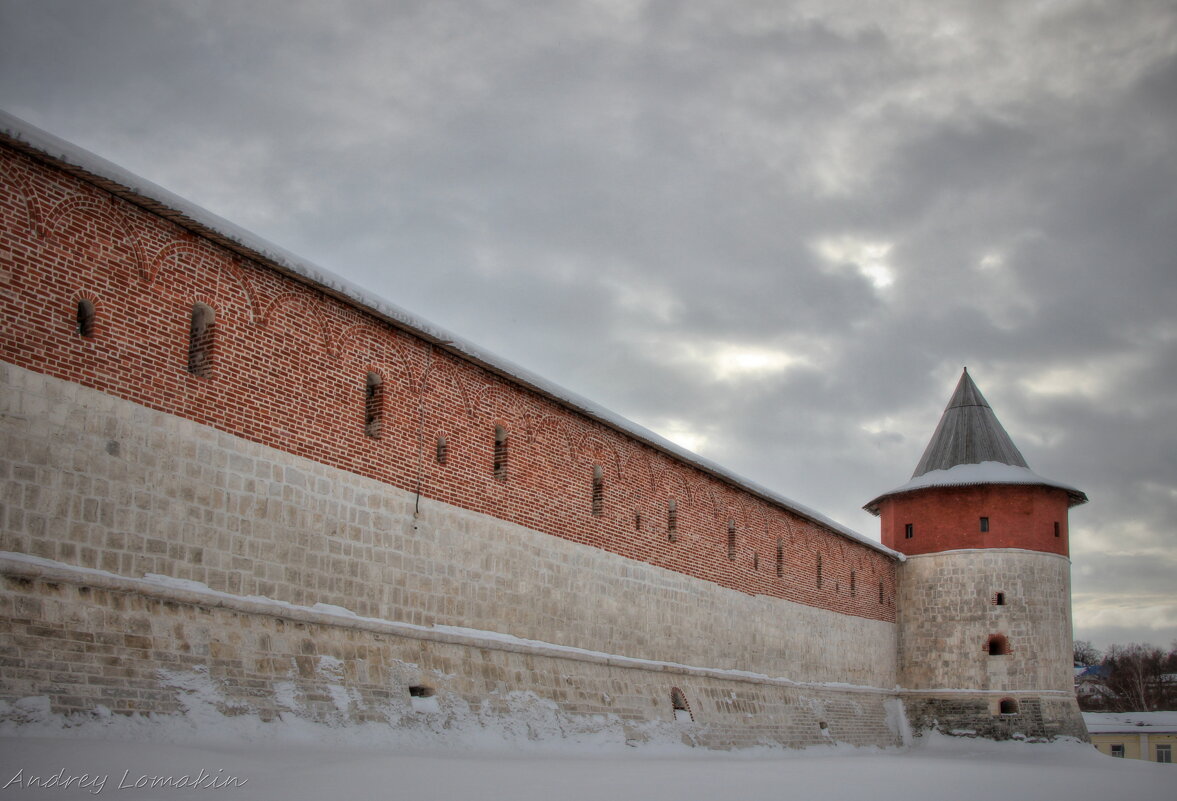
(963, 475)
(71, 155)
(1144, 722)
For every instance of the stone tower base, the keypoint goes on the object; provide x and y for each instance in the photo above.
(1041, 716)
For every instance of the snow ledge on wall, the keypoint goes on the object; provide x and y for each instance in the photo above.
(966, 475)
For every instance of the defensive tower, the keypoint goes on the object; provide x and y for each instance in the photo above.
(984, 597)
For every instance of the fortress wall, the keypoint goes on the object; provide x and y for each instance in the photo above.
(288, 368)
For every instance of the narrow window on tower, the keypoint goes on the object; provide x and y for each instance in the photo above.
(85, 319)
(373, 405)
(908, 531)
(998, 645)
(880, 592)
(984, 524)
(780, 557)
(1008, 706)
(500, 457)
(598, 503)
(819, 570)
(637, 521)
(443, 450)
(853, 583)
(672, 521)
(1056, 528)
(731, 540)
(200, 341)
(999, 599)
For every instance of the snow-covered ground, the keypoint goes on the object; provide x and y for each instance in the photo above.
(247, 759)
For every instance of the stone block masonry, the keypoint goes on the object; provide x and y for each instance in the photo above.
(93, 642)
(951, 600)
(1037, 716)
(985, 643)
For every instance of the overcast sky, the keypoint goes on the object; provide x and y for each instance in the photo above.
(773, 232)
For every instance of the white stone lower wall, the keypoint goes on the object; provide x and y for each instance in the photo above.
(87, 644)
(96, 482)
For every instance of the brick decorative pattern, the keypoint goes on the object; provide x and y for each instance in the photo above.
(288, 367)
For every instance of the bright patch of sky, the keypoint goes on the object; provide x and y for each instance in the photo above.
(1066, 381)
(1156, 611)
(1095, 378)
(681, 432)
(867, 257)
(732, 362)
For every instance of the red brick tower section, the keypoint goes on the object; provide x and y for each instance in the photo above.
(1033, 517)
(984, 600)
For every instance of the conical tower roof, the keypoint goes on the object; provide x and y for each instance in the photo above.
(971, 447)
(969, 433)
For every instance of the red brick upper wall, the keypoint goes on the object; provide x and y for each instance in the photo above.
(948, 518)
(289, 369)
